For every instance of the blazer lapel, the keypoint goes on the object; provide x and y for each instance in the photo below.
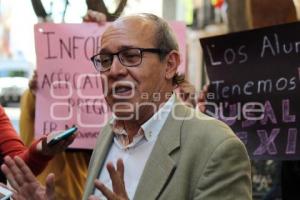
(161, 166)
(99, 155)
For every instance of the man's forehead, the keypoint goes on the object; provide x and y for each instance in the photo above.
(129, 29)
(136, 23)
(133, 19)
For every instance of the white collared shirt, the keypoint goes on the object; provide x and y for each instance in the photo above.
(135, 154)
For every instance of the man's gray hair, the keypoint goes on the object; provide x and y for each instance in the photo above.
(164, 39)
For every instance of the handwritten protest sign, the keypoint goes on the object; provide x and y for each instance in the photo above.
(70, 90)
(254, 88)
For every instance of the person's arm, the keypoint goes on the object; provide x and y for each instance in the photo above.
(227, 174)
(12, 145)
(37, 155)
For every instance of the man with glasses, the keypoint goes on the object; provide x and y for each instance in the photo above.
(155, 147)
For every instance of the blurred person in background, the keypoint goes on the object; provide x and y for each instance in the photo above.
(70, 166)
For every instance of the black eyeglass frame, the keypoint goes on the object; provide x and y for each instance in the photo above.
(142, 50)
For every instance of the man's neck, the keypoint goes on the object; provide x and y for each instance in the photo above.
(145, 113)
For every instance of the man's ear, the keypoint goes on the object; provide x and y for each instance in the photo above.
(173, 61)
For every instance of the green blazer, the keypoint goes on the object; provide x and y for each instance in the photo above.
(194, 157)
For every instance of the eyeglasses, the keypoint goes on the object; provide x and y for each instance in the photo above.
(130, 57)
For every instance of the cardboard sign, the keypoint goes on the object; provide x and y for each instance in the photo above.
(254, 88)
(70, 91)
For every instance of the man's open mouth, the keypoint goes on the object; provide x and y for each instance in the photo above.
(122, 90)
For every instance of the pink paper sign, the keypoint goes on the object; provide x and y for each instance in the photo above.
(70, 91)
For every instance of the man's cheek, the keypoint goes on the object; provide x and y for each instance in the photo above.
(104, 84)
